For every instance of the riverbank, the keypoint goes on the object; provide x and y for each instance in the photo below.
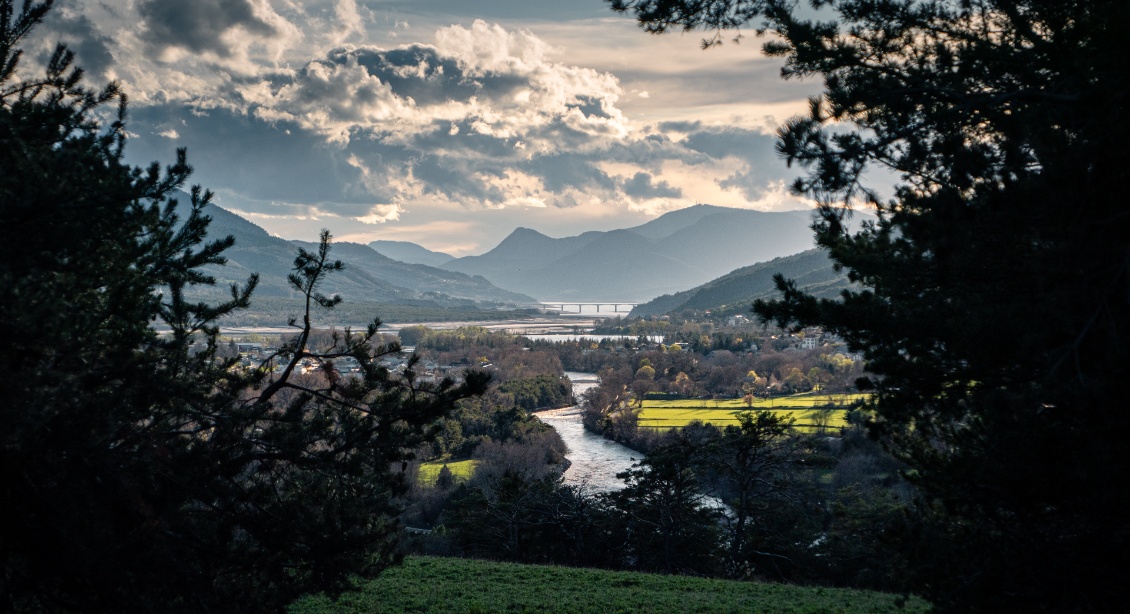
(538, 325)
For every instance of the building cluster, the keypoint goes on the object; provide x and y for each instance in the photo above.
(254, 355)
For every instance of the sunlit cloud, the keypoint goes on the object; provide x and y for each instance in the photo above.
(304, 214)
(380, 214)
(447, 236)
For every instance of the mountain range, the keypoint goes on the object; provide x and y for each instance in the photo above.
(369, 276)
(678, 250)
(701, 248)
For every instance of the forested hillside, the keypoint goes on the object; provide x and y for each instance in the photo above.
(736, 291)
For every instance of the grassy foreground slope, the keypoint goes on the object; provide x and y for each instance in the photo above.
(426, 584)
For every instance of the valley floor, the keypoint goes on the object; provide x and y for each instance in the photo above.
(539, 325)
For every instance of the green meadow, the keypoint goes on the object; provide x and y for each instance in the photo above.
(427, 584)
(460, 470)
(809, 411)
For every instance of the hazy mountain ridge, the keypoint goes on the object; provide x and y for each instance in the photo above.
(410, 253)
(736, 291)
(523, 250)
(678, 250)
(368, 276)
(419, 277)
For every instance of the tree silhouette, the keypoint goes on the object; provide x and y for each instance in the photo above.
(992, 303)
(669, 528)
(139, 470)
(750, 461)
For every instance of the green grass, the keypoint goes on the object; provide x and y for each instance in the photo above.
(460, 470)
(805, 409)
(425, 584)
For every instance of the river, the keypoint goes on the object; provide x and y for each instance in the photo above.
(595, 461)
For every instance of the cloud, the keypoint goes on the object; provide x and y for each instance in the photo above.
(482, 119)
(480, 79)
(220, 28)
(76, 30)
(350, 19)
(452, 236)
(267, 163)
(445, 122)
(762, 167)
(640, 185)
(380, 214)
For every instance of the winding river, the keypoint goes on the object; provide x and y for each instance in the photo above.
(595, 460)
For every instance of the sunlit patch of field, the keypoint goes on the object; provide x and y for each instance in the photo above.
(809, 412)
(460, 470)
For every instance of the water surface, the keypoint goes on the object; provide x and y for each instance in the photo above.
(595, 460)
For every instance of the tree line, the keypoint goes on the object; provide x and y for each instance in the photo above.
(754, 501)
(140, 471)
(990, 293)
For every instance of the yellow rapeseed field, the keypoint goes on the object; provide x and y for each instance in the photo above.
(809, 412)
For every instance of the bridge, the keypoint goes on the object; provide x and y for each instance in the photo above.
(564, 307)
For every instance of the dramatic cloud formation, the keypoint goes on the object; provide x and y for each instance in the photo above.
(295, 115)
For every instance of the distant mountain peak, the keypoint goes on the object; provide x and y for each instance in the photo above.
(522, 236)
(522, 231)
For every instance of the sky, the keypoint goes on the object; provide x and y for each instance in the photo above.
(447, 123)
